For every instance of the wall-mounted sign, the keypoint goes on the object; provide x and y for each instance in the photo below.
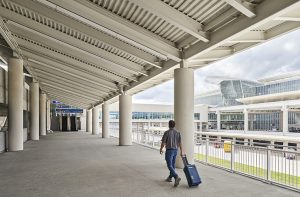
(69, 110)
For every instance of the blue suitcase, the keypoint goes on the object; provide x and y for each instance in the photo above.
(191, 173)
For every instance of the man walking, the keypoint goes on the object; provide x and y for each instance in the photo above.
(171, 140)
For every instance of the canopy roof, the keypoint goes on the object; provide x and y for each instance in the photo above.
(85, 52)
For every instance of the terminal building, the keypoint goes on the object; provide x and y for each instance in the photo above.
(266, 106)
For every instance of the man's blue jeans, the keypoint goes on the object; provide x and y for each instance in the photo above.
(170, 157)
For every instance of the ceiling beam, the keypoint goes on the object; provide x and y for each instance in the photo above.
(116, 26)
(242, 25)
(69, 87)
(46, 35)
(244, 7)
(283, 28)
(75, 61)
(174, 17)
(67, 92)
(54, 67)
(291, 16)
(5, 33)
(44, 76)
(252, 36)
(42, 69)
(47, 75)
(215, 54)
(88, 30)
(73, 70)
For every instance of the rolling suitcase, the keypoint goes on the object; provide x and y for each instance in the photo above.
(191, 173)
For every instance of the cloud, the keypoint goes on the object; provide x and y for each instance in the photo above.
(271, 58)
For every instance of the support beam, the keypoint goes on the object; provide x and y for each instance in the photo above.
(118, 27)
(95, 121)
(70, 91)
(125, 124)
(174, 17)
(34, 111)
(15, 104)
(243, 7)
(74, 89)
(42, 119)
(291, 16)
(78, 85)
(105, 120)
(252, 36)
(76, 69)
(67, 95)
(53, 38)
(46, 70)
(184, 109)
(242, 25)
(74, 57)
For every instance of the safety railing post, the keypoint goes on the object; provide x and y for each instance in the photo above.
(268, 163)
(206, 150)
(232, 158)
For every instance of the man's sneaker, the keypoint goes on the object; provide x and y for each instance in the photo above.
(177, 180)
(169, 179)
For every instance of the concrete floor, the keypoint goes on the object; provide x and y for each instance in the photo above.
(79, 164)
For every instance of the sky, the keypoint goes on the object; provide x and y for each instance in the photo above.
(277, 56)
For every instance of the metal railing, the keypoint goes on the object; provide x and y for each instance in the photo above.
(275, 164)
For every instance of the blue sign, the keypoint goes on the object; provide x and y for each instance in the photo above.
(69, 110)
(56, 102)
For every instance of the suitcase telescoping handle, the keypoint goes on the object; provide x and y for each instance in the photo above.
(184, 160)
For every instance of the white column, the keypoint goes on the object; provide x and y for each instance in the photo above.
(48, 115)
(89, 120)
(105, 120)
(246, 120)
(125, 124)
(95, 121)
(184, 110)
(15, 104)
(43, 114)
(34, 111)
(218, 120)
(285, 119)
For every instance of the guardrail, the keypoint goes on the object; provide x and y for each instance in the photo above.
(277, 164)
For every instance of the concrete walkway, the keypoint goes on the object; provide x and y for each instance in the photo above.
(79, 164)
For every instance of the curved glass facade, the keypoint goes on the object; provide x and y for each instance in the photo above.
(258, 121)
(234, 89)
